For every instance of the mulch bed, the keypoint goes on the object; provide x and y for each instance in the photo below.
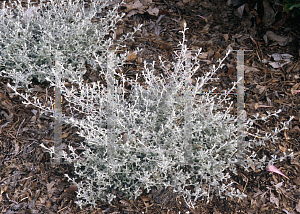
(29, 184)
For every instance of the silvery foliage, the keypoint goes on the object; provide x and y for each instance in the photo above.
(145, 145)
(30, 37)
(161, 134)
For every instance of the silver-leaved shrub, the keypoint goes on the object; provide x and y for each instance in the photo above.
(31, 37)
(163, 133)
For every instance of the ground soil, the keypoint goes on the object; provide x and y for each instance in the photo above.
(28, 184)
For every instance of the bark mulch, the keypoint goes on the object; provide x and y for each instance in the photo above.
(29, 184)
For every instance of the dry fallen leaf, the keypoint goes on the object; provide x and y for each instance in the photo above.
(274, 200)
(73, 188)
(272, 168)
(136, 5)
(294, 92)
(132, 56)
(261, 88)
(153, 11)
(281, 40)
(269, 14)
(298, 206)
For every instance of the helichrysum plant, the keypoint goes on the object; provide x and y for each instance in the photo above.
(31, 37)
(163, 133)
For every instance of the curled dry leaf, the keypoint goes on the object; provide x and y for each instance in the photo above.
(272, 168)
(281, 40)
(294, 92)
(298, 206)
(73, 188)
